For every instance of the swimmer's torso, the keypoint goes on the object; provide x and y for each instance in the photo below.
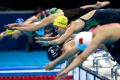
(114, 50)
(113, 43)
(73, 14)
(102, 16)
(44, 14)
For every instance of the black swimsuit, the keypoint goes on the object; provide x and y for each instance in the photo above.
(104, 16)
(73, 14)
(101, 17)
(114, 50)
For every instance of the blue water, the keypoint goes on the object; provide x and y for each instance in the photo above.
(23, 59)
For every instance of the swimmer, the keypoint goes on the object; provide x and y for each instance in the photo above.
(84, 23)
(99, 18)
(68, 13)
(107, 34)
(14, 33)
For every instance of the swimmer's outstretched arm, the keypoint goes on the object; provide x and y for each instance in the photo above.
(32, 18)
(2, 34)
(77, 25)
(37, 25)
(46, 38)
(18, 32)
(70, 30)
(96, 41)
(27, 21)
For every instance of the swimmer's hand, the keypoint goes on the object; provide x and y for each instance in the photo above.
(9, 26)
(61, 76)
(42, 38)
(46, 43)
(50, 66)
(2, 34)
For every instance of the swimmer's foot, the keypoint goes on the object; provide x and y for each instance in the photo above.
(102, 4)
(50, 66)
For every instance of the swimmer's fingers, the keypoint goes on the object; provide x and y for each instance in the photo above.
(37, 41)
(61, 76)
(48, 35)
(42, 38)
(2, 34)
(45, 43)
(39, 38)
(10, 25)
(41, 42)
(6, 26)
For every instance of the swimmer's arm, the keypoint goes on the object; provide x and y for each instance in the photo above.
(62, 38)
(32, 19)
(65, 36)
(38, 25)
(74, 26)
(69, 61)
(2, 34)
(28, 21)
(46, 38)
(52, 38)
(102, 46)
(83, 56)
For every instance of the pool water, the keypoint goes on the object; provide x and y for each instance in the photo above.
(23, 65)
(23, 59)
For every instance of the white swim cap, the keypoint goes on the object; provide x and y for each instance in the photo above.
(83, 39)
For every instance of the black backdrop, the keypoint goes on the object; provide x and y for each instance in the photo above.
(32, 4)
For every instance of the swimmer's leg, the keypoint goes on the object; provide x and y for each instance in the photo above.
(97, 5)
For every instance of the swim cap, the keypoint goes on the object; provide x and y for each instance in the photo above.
(54, 52)
(61, 21)
(10, 32)
(40, 32)
(19, 20)
(53, 11)
(83, 39)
